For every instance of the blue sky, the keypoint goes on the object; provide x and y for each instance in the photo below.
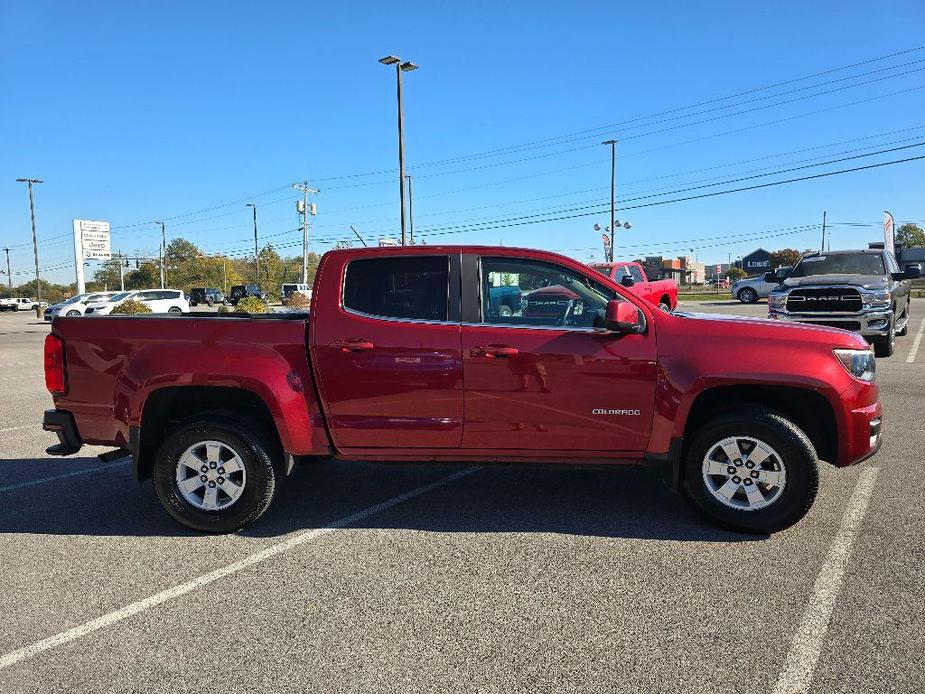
(133, 112)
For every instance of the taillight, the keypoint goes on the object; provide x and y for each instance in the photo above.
(54, 365)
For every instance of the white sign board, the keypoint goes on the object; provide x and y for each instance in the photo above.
(91, 242)
(94, 239)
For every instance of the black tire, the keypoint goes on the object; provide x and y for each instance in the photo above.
(210, 303)
(797, 457)
(747, 295)
(905, 330)
(174, 309)
(885, 346)
(262, 475)
(72, 313)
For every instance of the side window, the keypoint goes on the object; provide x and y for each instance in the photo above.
(146, 296)
(636, 273)
(620, 273)
(535, 293)
(413, 287)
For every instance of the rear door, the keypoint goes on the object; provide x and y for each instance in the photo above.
(385, 345)
(552, 381)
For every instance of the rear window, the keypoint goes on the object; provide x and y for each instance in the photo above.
(413, 287)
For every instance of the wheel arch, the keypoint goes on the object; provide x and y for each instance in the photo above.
(806, 408)
(166, 408)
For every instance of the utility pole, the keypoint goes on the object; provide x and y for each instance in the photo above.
(163, 255)
(9, 276)
(822, 247)
(256, 252)
(121, 273)
(400, 67)
(35, 242)
(410, 212)
(613, 192)
(306, 210)
(224, 277)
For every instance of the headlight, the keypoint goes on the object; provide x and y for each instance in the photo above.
(877, 299)
(777, 300)
(860, 363)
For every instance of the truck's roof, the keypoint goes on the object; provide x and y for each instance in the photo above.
(858, 251)
(429, 250)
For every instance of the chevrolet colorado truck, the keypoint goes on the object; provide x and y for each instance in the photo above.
(402, 360)
(859, 290)
(661, 293)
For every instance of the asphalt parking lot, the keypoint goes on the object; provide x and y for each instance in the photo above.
(454, 578)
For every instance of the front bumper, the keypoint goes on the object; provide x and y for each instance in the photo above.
(62, 423)
(870, 323)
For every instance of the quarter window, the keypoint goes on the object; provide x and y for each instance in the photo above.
(414, 287)
(534, 293)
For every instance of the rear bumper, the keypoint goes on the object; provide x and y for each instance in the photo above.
(62, 423)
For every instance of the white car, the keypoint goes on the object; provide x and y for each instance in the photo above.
(76, 305)
(17, 303)
(158, 300)
(288, 290)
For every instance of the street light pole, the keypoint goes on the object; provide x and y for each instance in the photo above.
(256, 252)
(410, 212)
(9, 276)
(613, 191)
(163, 255)
(35, 242)
(400, 67)
(306, 210)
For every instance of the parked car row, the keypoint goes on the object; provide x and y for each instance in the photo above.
(102, 303)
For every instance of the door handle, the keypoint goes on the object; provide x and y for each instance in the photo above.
(353, 344)
(494, 351)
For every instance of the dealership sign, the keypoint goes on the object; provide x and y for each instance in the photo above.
(91, 242)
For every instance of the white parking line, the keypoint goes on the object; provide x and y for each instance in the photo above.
(916, 343)
(797, 674)
(296, 540)
(42, 480)
(28, 426)
(22, 378)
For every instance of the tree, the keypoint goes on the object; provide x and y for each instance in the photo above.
(910, 236)
(785, 257)
(108, 273)
(736, 273)
(147, 276)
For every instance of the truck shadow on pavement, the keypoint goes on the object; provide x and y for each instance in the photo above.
(620, 502)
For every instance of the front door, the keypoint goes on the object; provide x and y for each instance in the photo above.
(548, 377)
(386, 351)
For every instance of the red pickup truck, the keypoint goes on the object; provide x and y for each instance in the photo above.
(402, 359)
(661, 293)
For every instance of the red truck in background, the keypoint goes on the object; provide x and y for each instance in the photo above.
(661, 293)
(403, 359)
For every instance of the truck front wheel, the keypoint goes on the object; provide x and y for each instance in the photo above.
(753, 471)
(214, 475)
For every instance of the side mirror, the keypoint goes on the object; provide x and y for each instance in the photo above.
(621, 317)
(627, 281)
(912, 272)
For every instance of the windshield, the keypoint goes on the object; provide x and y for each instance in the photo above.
(73, 300)
(841, 264)
(117, 297)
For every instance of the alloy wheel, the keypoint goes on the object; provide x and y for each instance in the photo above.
(210, 475)
(744, 473)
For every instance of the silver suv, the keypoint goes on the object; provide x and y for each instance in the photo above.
(749, 290)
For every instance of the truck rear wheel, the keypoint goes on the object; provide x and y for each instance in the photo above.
(215, 475)
(753, 470)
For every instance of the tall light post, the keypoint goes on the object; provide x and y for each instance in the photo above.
(256, 253)
(163, 254)
(35, 242)
(400, 67)
(306, 210)
(9, 276)
(410, 212)
(613, 190)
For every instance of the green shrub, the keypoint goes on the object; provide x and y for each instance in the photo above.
(298, 301)
(222, 308)
(250, 304)
(130, 307)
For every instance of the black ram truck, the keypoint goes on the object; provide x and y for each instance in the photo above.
(861, 290)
